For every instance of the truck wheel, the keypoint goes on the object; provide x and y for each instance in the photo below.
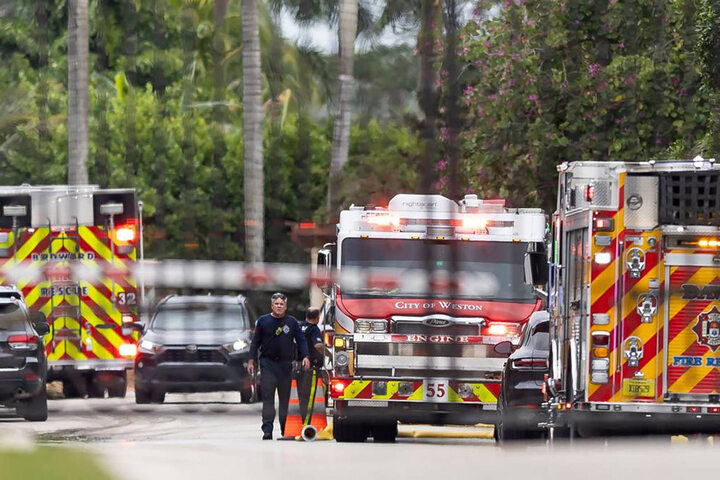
(344, 431)
(118, 388)
(96, 387)
(75, 387)
(384, 432)
(35, 409)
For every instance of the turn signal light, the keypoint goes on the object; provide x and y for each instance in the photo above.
(604, 224)
(600, 352)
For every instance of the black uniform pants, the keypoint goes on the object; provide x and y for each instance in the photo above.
(274, 376)
(304, 387)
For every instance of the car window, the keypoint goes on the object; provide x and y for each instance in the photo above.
(12, 317)
(540, 341)
(200, 316)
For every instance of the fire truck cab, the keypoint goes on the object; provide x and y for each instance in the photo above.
(634, 298)
(48, 231)
(424, 290)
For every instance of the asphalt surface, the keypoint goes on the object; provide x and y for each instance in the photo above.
(214, 436)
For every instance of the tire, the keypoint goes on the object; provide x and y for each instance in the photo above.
(142, 395)
(96, 387)
(384, 432)
(348, 432)
(118, 389)
(35, 409)
(506, 429)
(75, 386)
(157, 396)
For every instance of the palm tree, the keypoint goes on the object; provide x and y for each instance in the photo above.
(252, 133)
(347, 29)
(78, 34)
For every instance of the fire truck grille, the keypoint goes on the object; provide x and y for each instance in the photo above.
(690, 198)
(200, 356)
(417, 328)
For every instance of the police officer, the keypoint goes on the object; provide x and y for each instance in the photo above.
(277, 337)
(316, 349)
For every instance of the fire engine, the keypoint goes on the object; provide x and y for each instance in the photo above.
(93, 323)
(634, 304)
(425, 289)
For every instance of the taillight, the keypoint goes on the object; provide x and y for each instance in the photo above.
(23, 342)
(529, 363)
(125, 234)
(337, 387)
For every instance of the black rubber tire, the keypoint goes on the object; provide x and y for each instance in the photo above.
(118, 388)
(75, 386)
(349, 432)
(142, 395)
(506, 429)
(157, 396)
(35, 409)
(96, 387)
(384, 432)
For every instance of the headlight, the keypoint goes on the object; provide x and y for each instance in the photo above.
(146, 346)
(237, 346)
(367, 325)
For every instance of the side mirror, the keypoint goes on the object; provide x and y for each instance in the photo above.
(504, 348)
(324, 267)
(42, 328)
(536, 268)
(135, 326)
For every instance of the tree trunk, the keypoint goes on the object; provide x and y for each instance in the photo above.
(427, 89)
(347, 30)
(77, 122)
(452, 96)
(252, 133)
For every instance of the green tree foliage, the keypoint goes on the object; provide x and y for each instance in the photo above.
(555, 81)
(161, 122)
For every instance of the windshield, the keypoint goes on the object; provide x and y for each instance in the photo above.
(200, 317)
(503, 261)
(12, 317)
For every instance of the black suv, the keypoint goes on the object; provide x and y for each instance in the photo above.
(521, 397)
(195, 344)
(23, 364)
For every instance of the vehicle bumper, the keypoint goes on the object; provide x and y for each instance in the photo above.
(21, 383)
(635, 418)
(417, 401)
(193, 377)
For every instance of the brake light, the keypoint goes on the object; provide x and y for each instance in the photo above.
(693, 409)
(22, 342)
(525, 363)
(337, 387)
(125, 234)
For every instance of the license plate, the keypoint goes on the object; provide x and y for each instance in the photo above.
(436, 390)
(636, 387)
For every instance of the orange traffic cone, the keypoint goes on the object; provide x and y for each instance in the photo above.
(295, 426)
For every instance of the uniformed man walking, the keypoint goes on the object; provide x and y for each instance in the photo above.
(316, 349)
(277, 338)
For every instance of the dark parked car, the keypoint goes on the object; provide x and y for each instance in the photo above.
(195, 344)
(23, 364)
(519, 403)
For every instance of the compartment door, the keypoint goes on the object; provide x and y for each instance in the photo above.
(693, 324)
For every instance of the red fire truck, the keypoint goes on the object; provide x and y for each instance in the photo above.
(634, 298)
(424, 290)
(51, 229)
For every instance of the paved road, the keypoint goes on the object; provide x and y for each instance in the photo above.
(190, 438)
